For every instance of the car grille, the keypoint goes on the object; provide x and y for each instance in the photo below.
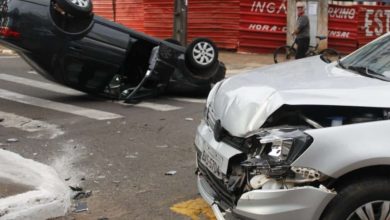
(235, 142)
(226, 198)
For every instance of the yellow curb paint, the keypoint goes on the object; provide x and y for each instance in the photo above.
(194, 209)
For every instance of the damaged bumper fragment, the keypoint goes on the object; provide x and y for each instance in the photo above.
(301, 203)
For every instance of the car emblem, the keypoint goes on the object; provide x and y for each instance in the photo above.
(218, 131)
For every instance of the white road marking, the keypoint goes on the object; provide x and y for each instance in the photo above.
(32, 72)
(60, 89)
(202, 101)
(153, 106)
(43, 129)
(40, 85)
(52, 87)
(8, 57)
(71, 109)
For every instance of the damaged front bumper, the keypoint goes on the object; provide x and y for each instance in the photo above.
(215, 162)
(304, 203)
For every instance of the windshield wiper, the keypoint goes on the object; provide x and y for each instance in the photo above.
(366, 71)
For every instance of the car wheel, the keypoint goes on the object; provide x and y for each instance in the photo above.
(364, 199)
(76, 8)
(202, 53)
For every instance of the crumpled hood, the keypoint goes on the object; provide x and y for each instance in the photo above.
(244, 102)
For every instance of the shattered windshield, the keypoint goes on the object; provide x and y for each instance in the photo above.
(373, 58)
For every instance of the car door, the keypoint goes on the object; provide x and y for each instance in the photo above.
(91, 62)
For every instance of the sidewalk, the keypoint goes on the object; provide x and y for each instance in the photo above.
(5, 51)
(241, 62)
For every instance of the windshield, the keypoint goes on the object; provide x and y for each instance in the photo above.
(374, 57)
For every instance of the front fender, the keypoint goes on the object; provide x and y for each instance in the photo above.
(336, 151)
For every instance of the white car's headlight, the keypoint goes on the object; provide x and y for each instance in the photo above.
(272, 151)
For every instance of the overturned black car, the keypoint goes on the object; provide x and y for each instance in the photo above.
(66, 43)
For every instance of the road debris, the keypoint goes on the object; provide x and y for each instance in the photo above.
(81, 207)
(76, 188)
(189, 119)
(162, 146)
(171, 173)
(82, 195)
(102, 218)
(131, 157)
(12, 140)
(116, 182)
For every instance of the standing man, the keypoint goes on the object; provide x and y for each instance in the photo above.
(302, 31)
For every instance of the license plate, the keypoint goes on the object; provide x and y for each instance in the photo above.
(212, 160)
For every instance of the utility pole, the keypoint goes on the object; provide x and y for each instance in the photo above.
(180, 21)
(322, 24)
(291, 19)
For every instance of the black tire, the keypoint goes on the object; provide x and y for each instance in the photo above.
(329, 55)
(76, 8)
(355, 196)
(284, 53)
(202, 53)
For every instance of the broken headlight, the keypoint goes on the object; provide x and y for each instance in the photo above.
(283, 145)
(273, 150)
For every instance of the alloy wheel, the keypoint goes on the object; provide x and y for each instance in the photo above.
(81, 3)
(376, 210)
(203, 53)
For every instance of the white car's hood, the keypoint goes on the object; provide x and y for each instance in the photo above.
(244, 102)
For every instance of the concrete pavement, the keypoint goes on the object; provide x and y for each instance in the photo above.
(240, 62)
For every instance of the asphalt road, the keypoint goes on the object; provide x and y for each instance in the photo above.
(122, 160)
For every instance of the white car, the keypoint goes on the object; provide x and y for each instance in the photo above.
(302, 140)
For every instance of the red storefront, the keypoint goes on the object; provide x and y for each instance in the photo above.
(245, 25)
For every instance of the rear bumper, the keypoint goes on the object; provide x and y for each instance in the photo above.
(304, 203)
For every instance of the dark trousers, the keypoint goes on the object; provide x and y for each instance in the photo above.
(303, 46)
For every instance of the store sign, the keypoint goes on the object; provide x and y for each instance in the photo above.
(339, 34)
(342, 13)
(269, 7)
(266, 27)
(376, 22)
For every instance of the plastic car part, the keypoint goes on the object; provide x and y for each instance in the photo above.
(202, 53)
(152, 64)
(136, 89)
(76, 8)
